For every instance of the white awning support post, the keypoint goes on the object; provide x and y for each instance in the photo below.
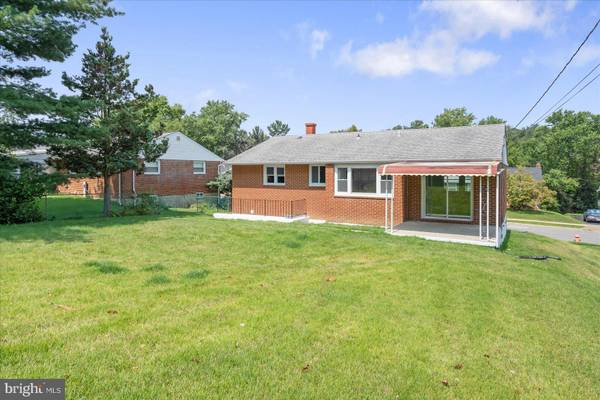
(385, 225)
(497, 209)
(392, 214)
(487, 210)
(480, 211)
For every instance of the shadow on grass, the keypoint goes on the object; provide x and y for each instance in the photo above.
(106, 267)
(77, 230)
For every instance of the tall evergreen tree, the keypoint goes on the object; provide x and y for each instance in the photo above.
(115, 138)
(257, 135)
(29, 114)
(278, 128)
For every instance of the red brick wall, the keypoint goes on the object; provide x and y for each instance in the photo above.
(323, 204)
(75, 186)
(176, 178)
(320, 201)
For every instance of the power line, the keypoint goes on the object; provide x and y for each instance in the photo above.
(565, 95)
(560, 73)
(579, 91)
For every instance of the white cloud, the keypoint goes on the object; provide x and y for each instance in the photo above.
(317, 41)
(590, 52)
(313, 37)
(570, 4)
(202, 97)
(474, 19)
(438, 54)
(446, 50)
(379, 18)
(236, 86)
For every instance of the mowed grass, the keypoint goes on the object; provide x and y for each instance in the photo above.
(184, 306)
(58, 207)
(547, 216)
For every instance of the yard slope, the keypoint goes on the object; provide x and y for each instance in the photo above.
(185, 306)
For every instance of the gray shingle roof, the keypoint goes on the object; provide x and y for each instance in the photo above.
(534, 172)
(466, 143)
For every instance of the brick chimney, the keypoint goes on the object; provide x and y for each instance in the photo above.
(311, 128)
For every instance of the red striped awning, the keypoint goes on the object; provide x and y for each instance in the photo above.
(490, 169)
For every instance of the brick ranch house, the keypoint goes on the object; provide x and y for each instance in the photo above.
(176, 176)
(439, 183)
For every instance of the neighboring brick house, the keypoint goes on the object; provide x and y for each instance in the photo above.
(382, 178)
(176, 176)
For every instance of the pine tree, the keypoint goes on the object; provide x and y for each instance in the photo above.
(278, 128)
(29, 114)
(115, 138)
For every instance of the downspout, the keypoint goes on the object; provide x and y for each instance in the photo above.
(120, 193)
(385, 225)
(133, 186)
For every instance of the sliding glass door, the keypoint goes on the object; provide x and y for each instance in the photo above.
(447, 197)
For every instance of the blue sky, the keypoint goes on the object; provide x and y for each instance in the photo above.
(373, 64)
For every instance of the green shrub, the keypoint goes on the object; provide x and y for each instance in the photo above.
(143, 204)
(525, 193)
(19, 193)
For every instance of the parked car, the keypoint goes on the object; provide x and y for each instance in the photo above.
(592, 215)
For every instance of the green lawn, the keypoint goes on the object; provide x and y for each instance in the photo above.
(183, 306)
(72, 207)
(547, 216)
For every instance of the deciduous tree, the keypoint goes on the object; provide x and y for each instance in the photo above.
(454, 117)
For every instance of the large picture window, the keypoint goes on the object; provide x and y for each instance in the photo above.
(361, 180)
(447, 197)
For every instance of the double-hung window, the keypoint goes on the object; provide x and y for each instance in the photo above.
(152, 167)
(274, 175)
(359, 180)
(316, 175)
(199, 167)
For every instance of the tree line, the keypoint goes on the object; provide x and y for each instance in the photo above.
(102, 127)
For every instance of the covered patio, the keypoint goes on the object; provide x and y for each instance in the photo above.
(458, 202)
(445, 232)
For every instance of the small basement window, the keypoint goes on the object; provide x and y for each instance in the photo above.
(152, 167)
(317, 175)
(274, 175)
(199, 167)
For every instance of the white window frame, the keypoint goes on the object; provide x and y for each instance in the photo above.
(378, 194)
(447, 218)
(310, 181)
(203, 167)
(274, 166)
(152, 173)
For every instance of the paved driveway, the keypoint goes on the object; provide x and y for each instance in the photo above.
(589, 234)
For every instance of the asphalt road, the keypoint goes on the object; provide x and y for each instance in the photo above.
(589, 234)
